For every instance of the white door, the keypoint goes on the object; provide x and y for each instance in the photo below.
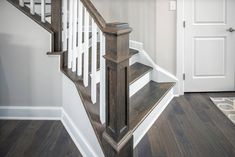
(209, 45)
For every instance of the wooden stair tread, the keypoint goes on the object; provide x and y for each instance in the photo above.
(133, 52)
(145, 100)
(137, 70)
(37, 3)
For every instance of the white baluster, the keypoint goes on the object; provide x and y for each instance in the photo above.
(32, 7)
(94, 62)
(80, 44)
(70, 46)
(21, 2)
(102, 78)
(86, 51)
(43, 5)
(75, 21)
(65, 25)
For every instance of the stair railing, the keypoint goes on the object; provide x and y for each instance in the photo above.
(32, 8)
(85, 31)
(83, 38)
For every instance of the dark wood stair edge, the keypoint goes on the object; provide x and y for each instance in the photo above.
(37, 3)
(153, 107)
(133, 52)
(36, 17)
(61, 52)
(142, 73)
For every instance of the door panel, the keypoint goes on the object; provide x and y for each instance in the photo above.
(210, 11)
(209, 48)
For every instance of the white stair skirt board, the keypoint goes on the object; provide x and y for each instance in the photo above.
(30, 113)
(140, 83)
(80, 130)
(158, 74)
(143, 128)
(76, 136)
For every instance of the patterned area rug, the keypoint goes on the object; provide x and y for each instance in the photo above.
(226, 105)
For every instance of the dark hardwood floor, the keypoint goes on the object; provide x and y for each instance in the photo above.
(191, 126)
(35, 139)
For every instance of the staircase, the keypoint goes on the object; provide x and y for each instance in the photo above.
(116, 83)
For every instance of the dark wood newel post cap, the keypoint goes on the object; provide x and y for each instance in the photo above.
(117, 28)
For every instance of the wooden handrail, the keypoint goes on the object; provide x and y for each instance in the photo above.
(110, 28)
(99, 20)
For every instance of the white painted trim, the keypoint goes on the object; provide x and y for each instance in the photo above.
(180, 47)
(151, 118)
(76, 136)
(158, 74)
(138, 84)
(30, 113)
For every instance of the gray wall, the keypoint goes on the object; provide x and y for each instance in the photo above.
(28, 77)
(152, 22)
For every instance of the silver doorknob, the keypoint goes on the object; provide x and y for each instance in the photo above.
(231, 30)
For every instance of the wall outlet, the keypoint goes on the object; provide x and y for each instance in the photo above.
(172, 6)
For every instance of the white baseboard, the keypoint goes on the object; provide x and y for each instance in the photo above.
(30, 113)
(76, 136)
(152, 117)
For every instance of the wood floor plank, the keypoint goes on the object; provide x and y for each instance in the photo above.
(37, 139)
(14, 135)
(191, 126)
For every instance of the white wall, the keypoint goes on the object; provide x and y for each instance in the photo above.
(166, 36)
(152, 22)
(28, 77)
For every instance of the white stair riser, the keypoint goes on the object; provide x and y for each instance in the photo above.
(140, 83)
(134, 87)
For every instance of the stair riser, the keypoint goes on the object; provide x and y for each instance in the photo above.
(140, 83)
(133, 59)
(134, 87)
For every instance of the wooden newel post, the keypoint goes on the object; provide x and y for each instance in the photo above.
(56, 24)
(117, 138)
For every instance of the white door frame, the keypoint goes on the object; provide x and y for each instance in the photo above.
(180, 46)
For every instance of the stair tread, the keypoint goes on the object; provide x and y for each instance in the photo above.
(133, 52)
(37, 3)
(145, 100)
(137, 70)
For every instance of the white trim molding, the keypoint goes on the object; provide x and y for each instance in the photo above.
(158, 74)
(30, 113)
(76, 136)
(180, 47)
